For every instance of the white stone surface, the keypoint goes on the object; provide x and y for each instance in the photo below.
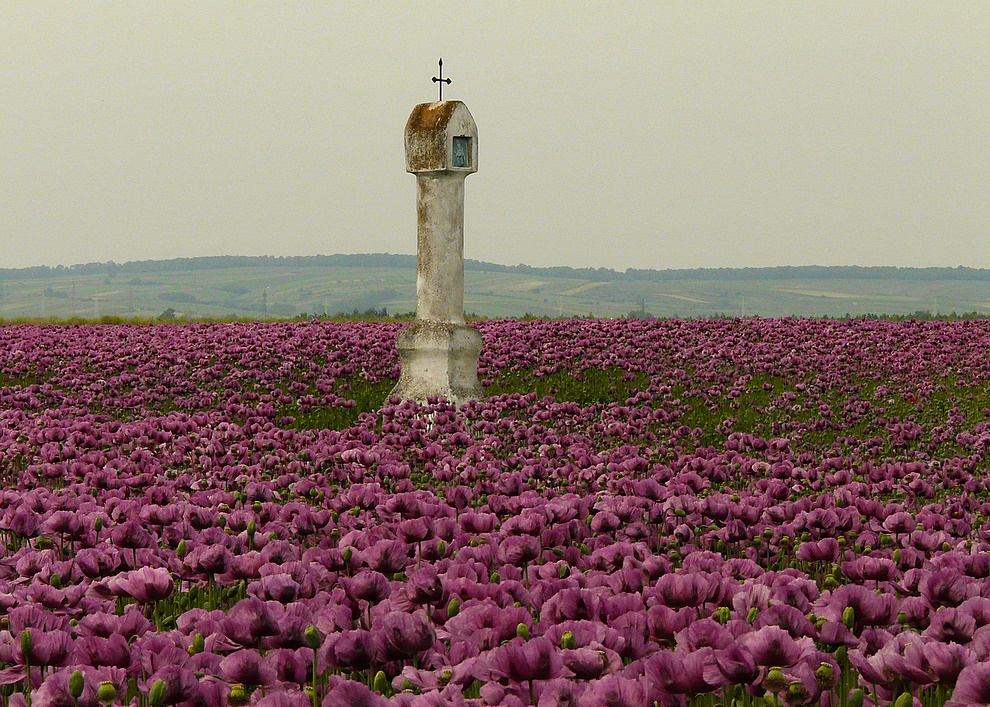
(439, 352)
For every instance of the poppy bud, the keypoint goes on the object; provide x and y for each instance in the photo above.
(897, 555)
(841, 653)
(797, 691)
(522, 631)
(26, 642)
(825, 676)
(56, 580)
(905, 700)
(751, 616)
(453, 607)
(441, 548)
(494, 578)
(348, 554)
(156, 697)
(381, 682)
(238, 695)
(180, 549)
(222, 522)
(252, 527)
(76, 684)
(106, 693)
(98, 524)
(856, 698)
(775, 680)
(563, 571)
(198, 643)
(584, 549)
(849, 617)
(312, 637)
(567, 641)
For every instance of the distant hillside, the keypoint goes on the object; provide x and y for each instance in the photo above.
(270, 287)
(390, 260)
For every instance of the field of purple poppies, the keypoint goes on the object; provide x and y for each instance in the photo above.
(708, 512)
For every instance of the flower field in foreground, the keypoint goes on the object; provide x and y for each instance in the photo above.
(722, 512)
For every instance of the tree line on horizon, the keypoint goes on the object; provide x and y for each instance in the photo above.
(392, 260)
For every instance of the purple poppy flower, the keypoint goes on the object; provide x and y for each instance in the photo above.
(424, 586)
(869, 608)
(353, 694)
(948, 588)
(248, 667)
(280, 587)
(285, 698)
(386, 556)
(366, 585)
(404, 635)
(181, 684)
(522, 661)
(248, 621)
(947, 660)
(353, 649)
(44, 647)
(733, 665)
(416, 530)
(25, 523)
(616, 691)
(681, 673)
(825, 550)
(704, 632)
(131, 534)
(680, 590)
(145, 585)
(788, 618)
(518, 550)
(97, 651)
(772, 646)
(54, 691)
(95, 562)
(586, 663)
(63, 523)
(972, 687)
(292, 665)
(209, 559)
(951, 626)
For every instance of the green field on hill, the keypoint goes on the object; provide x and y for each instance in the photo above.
(243, 288)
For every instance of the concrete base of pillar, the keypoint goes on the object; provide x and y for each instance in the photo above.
(439, 359)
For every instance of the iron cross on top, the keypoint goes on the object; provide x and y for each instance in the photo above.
(441, 80)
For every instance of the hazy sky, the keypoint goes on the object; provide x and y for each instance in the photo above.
(618, 134)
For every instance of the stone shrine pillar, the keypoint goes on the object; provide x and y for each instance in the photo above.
(439, 352)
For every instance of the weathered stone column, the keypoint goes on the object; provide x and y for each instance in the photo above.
(439, 352)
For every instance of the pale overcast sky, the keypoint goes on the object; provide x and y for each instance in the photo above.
(617, 134)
